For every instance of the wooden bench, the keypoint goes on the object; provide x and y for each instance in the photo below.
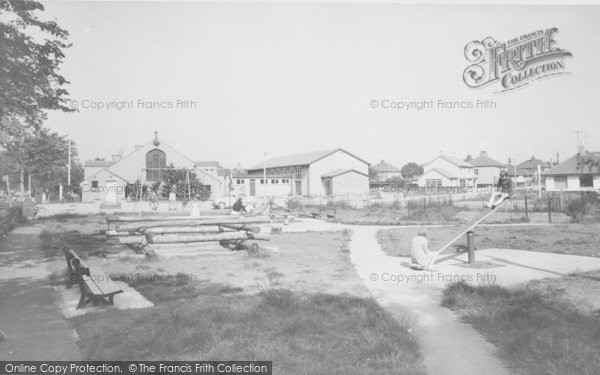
(95, 285)
(329, 214)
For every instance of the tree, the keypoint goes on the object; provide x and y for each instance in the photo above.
(30, 82)
(178, 178)
(410, 170)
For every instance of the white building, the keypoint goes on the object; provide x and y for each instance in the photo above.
(384, 171)
(571, 175)
(486, 170)
(447, 171)
(333, 172)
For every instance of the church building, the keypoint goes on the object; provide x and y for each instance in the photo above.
(107, 181)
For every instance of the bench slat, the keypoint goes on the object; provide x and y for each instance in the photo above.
(91, 286)
(103, 282)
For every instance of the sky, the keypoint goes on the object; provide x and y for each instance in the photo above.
(284, 78)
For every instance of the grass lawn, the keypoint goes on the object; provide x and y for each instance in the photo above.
(301, 334)
(578, 239)
(535, 332)
(301, 305)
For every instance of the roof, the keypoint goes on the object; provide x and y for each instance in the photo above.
(533, 163)
(98, 163)
(339, 172)
(571, 166)
(384, 167)
(454, 160)
(443, 172)
(299, 159)
(485, 161)
(100, 171)
(208, 163)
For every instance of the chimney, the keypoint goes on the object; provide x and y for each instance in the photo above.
(557, 159)
(483, 153)
(509, 161)
(117, 157)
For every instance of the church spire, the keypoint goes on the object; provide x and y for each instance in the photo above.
(156, 142)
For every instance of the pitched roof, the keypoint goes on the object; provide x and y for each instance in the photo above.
(299, 159)
(443, 172)
(208, 163)
(454, 160)
(339, 172)
(533, 163)
(570, 167)
(98, 163)
(485, 161)
(384, 167)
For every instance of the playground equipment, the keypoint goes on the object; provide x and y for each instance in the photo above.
(468, 229)
(233, 233)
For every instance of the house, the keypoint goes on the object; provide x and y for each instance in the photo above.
(527, 171)
(107, 182)
(447, 171)
(574, 173)
(384, 171)
(486, 170)
(332, 172)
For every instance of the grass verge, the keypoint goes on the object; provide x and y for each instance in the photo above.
(318, 334)
(535, 333)
(577, 239)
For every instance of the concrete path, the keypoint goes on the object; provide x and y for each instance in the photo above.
(34, 326)
(448, 345)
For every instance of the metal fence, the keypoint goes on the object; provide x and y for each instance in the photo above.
(525, 208)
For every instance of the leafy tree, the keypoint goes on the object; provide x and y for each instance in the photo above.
(30, 82)
(411, 170)
(177, 178)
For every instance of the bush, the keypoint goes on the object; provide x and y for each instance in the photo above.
(585, 209)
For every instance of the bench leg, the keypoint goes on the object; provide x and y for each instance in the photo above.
(83, 300)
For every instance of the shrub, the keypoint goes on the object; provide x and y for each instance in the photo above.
(584, 209)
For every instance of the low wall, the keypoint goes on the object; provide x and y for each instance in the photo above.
(68, 208)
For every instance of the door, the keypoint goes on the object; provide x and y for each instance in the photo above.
(327, 184)
(298, 187)
(111, 192)
(252, 188)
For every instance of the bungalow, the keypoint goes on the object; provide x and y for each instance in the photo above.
(447, 171)
(574, 174)
(527, 171)
(328, 172)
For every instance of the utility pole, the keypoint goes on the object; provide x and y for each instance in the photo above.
(69, 170)
(265, 174)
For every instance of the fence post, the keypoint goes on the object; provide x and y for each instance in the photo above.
(526, 207)
(549, 209)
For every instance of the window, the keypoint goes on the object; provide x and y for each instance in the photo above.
(586, 181)
(156, 160)
(476, 171)
(463, 182)
(94, 184)
(262, 181)
(298, 173)
(433, 182)
(560, 182)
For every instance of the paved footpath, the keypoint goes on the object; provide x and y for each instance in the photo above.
(34, 327)
(449, 346)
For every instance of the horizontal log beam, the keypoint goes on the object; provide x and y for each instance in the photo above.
(195, 222)
(189, 229)
(135, 219)
(243, 227)
(230, 236)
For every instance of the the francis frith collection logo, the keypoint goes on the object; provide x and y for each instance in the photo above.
(514, 63)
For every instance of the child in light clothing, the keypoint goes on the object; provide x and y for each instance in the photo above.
(421, 257)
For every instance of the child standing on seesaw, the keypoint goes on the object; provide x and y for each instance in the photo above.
(504, 190)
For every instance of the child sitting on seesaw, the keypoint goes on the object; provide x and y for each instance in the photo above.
(504, 190)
